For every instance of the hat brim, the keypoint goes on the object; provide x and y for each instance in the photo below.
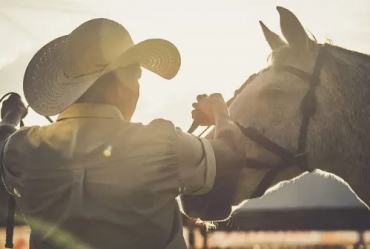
(49, 91)
(156, 55)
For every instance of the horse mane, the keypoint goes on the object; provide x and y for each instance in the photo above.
(339, 58)
(358, 56)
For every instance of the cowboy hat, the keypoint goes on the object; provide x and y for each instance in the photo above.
(65, 68)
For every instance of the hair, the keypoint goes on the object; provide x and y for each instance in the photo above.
(98, 91)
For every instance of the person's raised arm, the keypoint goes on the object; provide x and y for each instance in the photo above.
(228, 144)
(229, 153)
(12, 112)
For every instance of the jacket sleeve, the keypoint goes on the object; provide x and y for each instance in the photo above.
(5, 132)
(215, 205)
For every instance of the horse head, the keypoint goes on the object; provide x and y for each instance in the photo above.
(335, 136)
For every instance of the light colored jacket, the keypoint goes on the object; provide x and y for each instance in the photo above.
(94, 180)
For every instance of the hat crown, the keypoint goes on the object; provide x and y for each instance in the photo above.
(95, 44)
(64, 68)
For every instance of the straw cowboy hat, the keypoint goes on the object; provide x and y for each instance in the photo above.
(62, 70)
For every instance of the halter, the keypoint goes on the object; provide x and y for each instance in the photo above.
(288, 159)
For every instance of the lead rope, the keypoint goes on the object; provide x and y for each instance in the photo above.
(10, 220)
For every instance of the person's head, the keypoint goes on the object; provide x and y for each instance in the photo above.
(119, 88)
(91, 64)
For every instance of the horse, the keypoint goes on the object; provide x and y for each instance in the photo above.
(308, 111)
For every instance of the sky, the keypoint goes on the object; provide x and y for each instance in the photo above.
(220, 42)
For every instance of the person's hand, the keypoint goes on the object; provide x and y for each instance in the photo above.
(207, 108)
(14, 107)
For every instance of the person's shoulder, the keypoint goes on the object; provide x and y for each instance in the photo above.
(23, 136)
(26, 131)
(156, 126)
(161, 124)
(156, 132)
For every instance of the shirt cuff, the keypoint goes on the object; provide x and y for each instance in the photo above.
(210, 174)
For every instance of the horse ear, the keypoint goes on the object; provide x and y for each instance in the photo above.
(292, 29)
(272, 39)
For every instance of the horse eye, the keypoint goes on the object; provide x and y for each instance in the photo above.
(271, 92)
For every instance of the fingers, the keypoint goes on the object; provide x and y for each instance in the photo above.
(14, 97)
(200, 118)
(14, 100)
(201, 96)
(203, 108)
(216, 95)
(14, 104)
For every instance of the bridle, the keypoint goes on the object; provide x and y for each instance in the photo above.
(287, 158)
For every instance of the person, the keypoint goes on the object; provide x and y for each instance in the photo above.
(93, 178)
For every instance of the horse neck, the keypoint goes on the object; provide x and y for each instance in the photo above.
(339, 136)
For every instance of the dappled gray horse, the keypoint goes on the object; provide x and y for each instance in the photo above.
(308, 111)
